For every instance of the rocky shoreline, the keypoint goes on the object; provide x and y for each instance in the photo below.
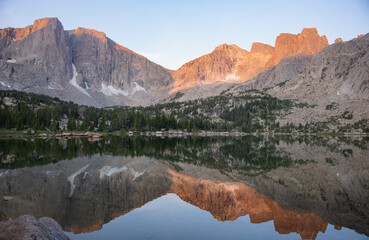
(97, 136)
(66, 135)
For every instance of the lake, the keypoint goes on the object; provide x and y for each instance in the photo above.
(250, 187)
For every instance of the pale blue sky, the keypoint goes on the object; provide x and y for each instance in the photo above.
(171, 33)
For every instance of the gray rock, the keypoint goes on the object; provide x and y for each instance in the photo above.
(28, 227)
(338, 74)
(40, 58)
(7, 198)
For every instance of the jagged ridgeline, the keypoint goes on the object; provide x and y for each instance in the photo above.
(302, 83)
(247, 111)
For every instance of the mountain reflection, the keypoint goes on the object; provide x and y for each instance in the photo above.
(228, 201)
(301, 184)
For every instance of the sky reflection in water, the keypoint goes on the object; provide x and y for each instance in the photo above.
(168, 217)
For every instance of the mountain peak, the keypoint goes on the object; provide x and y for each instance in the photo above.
(308, 42)
(225, 46)
(261, 48)
(103, 38)
(230, 63)
(19, 33)
(309, 31)
(92, 32)
(42, 22)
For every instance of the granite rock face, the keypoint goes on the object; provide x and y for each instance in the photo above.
(36, 55)
(218, 66)
(288, 68)
(28, 227)
(229, 63)
(99, 61)
(86, 67)
(308, 42)
(80, 65)
(336, 75)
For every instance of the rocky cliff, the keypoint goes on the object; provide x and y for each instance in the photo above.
(338, 75)
(86, 67)
(229, 63)
(35, 55)
(218, 66)
(81, 65)
(104, 66)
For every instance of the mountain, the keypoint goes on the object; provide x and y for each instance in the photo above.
(229, 63)
(86, 67)
(332, 83)
(337, 76)
(81, 65)
(218, 66)
(36, 55)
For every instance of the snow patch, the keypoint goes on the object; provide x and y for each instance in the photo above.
(52, 86)
(109, 170)
(338, 93)
(71, 178)
(138, 88)
(5, 85)
(11, 61)
(3, 173)
(73, 81)
(136, 174)
(87, 87)
(110, 91)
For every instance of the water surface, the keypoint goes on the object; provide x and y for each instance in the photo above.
(253, 187)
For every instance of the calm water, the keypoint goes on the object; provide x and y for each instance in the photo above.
(191, 188)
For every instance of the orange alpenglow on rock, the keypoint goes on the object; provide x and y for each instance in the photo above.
(20, 33)
(338, 40)
(229, 201)
(337, 227)
(97, 34)
(102, 37)
(229, 63)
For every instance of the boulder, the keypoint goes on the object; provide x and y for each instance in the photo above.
(7, 198)
(28, 227)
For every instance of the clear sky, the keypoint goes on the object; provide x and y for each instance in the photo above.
(172, 33)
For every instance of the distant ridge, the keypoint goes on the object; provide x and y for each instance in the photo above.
(229, 63)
